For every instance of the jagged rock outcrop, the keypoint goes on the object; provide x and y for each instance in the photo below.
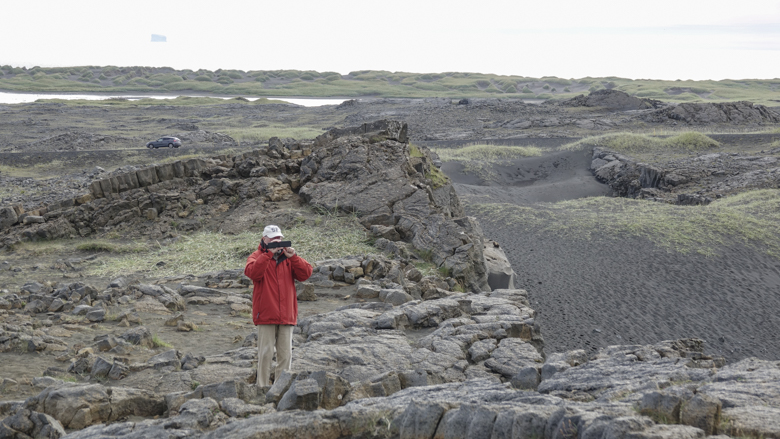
(462, 365)
(77, 406)
(361, 342)
(697, 180)
(699, 113)
(368, 170)
(500, 272)
(685, 398)
(388, 186)
(26, 423)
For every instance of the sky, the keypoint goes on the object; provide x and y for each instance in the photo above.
(659, 39)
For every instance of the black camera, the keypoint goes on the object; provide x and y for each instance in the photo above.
(278, 244)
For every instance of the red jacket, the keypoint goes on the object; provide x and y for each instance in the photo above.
(274, 301)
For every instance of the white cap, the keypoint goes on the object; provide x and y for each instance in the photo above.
(272, 232)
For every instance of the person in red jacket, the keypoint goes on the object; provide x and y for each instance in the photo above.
(274, 301)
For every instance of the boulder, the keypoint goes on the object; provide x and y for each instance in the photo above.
(139, 336)
(702, 411)
(236, 408)
(100, 368)
(303, 394)
(135, 402)
(96, 315)
(8, 217)
(306, 293)
(169, 358)
(500, 274)
(74, 406)
(27, 423)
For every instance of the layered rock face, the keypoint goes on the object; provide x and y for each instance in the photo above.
(737, 113)
(388, 187)
(689, 181)
(368, 170)
(365, 371)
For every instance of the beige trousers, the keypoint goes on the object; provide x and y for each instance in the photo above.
(268, 337)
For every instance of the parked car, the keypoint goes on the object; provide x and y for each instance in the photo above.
(162, 142)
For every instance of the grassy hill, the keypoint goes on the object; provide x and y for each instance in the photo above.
(308, 83)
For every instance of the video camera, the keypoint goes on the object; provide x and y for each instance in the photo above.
(278, 244)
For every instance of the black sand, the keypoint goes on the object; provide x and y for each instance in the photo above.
(612, 290)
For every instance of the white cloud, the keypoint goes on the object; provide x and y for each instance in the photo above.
(663, 39)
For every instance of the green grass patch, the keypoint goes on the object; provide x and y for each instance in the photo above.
(67, 378)
(327, 237)
(263, 133)
(631, 143)
(36, 171)
(97, 246)
(414, 151)
(751, 218)
(456, 85)
(437, 177)
(487, 153)
(479, 159)
(159, 343)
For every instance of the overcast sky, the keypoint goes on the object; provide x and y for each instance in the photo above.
(659, 39)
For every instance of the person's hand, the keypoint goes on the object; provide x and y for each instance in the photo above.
(289, 252)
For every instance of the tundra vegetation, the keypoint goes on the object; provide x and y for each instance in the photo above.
(479, 159)
(322, 237)
(751, 218)
(375, 83)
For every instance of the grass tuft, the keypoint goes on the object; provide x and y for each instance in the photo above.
(259, 134)
(487, 153)
(631, 143)
(159, 343)
(97, 246)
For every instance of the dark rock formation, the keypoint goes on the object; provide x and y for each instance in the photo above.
(696, 180)
(696, 113)
(613, 100)
(387, 186)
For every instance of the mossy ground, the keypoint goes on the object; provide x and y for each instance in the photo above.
(318, 238)
(479, 159)
(751, 218)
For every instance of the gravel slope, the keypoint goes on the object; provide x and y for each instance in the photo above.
(609, 289)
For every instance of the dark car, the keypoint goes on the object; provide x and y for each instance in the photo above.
(162, 142)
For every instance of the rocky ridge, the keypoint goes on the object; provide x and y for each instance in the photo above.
(694, 180)
(444, 364)
(372, 172)
(602, 111)
(362, 371)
